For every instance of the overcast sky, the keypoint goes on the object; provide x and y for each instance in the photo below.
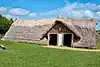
(39, 9)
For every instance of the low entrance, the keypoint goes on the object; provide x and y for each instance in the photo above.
(67, 40)
(53, 39)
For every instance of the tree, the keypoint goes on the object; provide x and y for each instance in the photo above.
(4, 24)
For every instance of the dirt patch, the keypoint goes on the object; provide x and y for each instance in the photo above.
(76, 49)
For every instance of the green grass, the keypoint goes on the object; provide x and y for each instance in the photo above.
(32, 55)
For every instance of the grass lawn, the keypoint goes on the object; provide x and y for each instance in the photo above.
(32, 55)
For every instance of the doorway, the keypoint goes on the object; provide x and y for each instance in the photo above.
(53, 39)
(67, 40)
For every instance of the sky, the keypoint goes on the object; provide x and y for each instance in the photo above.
(41, 9)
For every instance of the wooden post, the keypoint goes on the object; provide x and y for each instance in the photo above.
(60, 38)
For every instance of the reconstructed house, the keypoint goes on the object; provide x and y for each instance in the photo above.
(58, 32)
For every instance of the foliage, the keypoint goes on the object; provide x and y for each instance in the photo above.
(32, 55)
(4, 24)
(97, 31)
(98, 40)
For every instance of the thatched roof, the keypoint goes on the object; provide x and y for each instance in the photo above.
(70, 23)
(41, 22)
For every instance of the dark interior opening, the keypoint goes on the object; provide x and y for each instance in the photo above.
(53, 39)
(67, 40)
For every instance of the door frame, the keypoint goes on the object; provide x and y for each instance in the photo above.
(63, 35)
(72, 37)
(49, 37)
